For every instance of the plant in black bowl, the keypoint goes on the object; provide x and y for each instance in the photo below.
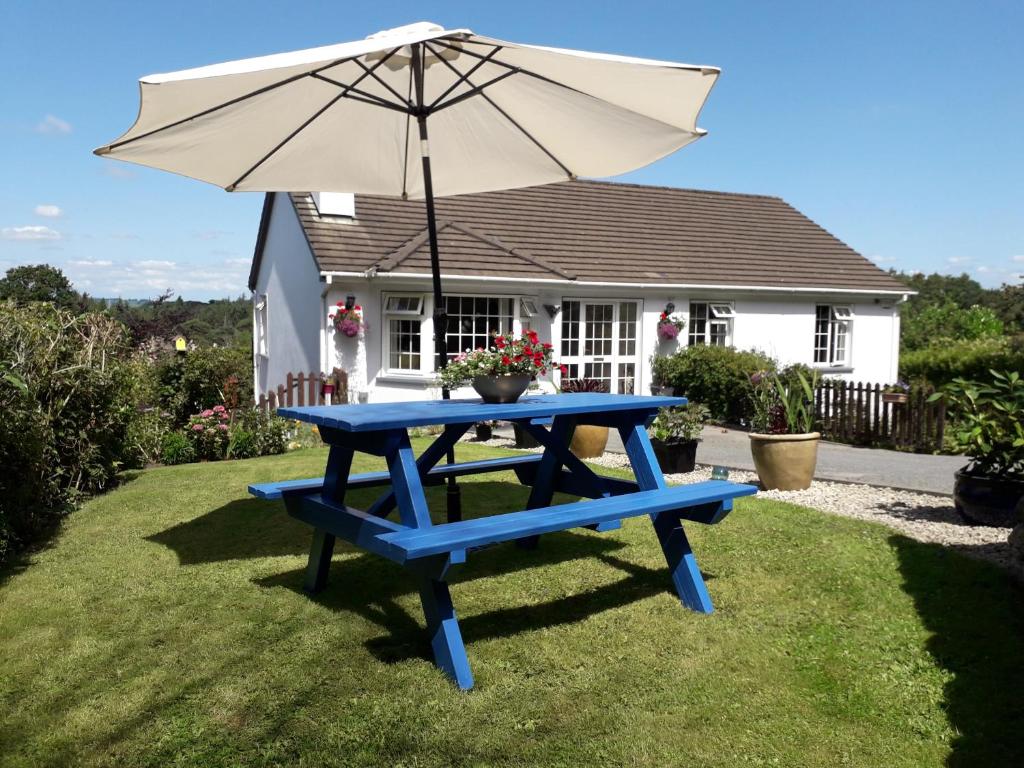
(675, 434)
(988, 418)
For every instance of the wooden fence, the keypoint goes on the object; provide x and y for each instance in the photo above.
(305, 389)
(859, 413)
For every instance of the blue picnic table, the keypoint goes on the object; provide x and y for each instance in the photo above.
(431, 549)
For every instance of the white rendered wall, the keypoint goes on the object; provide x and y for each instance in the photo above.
(291, 282)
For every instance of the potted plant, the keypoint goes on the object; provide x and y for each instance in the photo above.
(674, 436)
(897, 393)
(503, 371)
(989, 428)
(669, 324)
(484, 430)
(784, 449)
(588, 440)
(348, 320)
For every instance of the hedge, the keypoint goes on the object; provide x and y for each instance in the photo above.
(941, 363)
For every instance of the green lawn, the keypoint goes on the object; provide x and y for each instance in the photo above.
(166, 626)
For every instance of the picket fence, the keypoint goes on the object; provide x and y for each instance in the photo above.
(864, 414)
(305, 389)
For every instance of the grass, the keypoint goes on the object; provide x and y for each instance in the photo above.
(166, 626)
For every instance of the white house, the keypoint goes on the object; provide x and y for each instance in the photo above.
(588, 265)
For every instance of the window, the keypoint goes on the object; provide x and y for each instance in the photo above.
(832, 334)
(403, 321)
(710, 323)
(259, 322)
(472, 320)
(527, 307)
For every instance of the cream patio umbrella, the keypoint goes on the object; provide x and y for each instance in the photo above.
(354, 117)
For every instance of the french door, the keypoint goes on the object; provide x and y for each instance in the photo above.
(599, 341)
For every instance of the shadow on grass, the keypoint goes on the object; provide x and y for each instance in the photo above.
(975, 613)
(369, 586)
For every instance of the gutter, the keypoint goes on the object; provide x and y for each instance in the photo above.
(372, 274)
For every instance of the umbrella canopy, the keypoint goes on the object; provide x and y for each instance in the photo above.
(342, 117)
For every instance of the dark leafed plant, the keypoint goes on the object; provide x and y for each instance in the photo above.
(783, 403)
(584, 385)
(989, 422)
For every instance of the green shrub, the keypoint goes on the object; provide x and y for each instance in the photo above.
(923, 326)
(144, 440)
(939, 364)
(242, 444)
(208, 432)
(195, 381)
(66, 395)
(176, 448)
(269, 433)
(718, 377)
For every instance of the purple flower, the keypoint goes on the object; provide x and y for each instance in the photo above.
(667, 331)
(349, 327)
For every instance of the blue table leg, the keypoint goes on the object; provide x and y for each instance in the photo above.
(339, 463)
(543, 489)
(682, 564)
(443, 630)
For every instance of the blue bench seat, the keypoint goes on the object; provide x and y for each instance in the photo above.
(436, 476)
(707, 502)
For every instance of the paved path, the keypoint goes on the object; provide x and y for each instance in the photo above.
(846, 463)
(874, 466)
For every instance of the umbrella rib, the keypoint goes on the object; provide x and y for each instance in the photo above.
(508, 117)
(361, 95)
(314, 116)
(405, 159)
(376, 77)
(463, 78)
(476, 90)
(243, 97)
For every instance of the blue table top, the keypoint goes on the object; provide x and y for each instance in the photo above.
(371, 417)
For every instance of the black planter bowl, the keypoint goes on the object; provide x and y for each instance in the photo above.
(484, 431)
(987, 500)
(675, 458)
(501, 389)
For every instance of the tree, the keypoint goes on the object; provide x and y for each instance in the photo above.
(39, 282)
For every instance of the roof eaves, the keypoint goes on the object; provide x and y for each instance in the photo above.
(261, 239)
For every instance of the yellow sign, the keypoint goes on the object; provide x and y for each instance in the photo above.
(180, 344)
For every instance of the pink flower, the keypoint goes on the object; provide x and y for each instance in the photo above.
(206, 414)
(219, 409)
(197, 427)
(222, 427)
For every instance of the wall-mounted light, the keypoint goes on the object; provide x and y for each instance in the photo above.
(670, 308)
(552, 310)
(350, 301)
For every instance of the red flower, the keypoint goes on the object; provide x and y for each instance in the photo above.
(546, 345)
(518, 358)
(499, 342)
(357, 308)
(564, 369)
(527, 350)
(340, 304)
(532, 336)
(505, 360)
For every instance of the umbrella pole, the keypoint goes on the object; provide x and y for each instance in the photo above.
(454, 497)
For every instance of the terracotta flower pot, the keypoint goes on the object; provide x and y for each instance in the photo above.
(501, 389)
(785, 462)
(588, 441)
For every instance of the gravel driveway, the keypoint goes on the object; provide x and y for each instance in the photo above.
(924, 517)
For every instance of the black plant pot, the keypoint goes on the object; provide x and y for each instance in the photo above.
(675, 458)
(484, 432)
(523, 438)
(987, 500)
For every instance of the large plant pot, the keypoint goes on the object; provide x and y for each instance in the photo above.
(501, 389)
(588, 441)
(523, 438)
(484, 431)
(785, 462)
(987, 500)
(675, 458)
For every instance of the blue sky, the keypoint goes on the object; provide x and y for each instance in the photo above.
(899, 126)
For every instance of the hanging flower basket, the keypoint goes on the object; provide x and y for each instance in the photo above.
(669, 326)
(348, 321)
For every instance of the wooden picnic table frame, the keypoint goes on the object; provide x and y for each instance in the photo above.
(430, 550)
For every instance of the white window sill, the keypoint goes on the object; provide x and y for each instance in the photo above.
(826, 368)
(405, 378)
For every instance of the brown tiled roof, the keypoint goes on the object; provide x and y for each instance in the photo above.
(595, 231)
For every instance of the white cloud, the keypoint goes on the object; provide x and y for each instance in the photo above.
(958, 260)
(879, 259)
(91, 262)
(238, 262)
(155, 264)
(1019, 258)
(53, 126)
(984, 270)
(29, 233)
(48, 211)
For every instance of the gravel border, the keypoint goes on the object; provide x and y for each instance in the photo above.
(924, 517)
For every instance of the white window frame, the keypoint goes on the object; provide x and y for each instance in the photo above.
(837, 337)
(527, 306)
(513, 315)
(402, 314)
(260, 324)
(719, 313)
